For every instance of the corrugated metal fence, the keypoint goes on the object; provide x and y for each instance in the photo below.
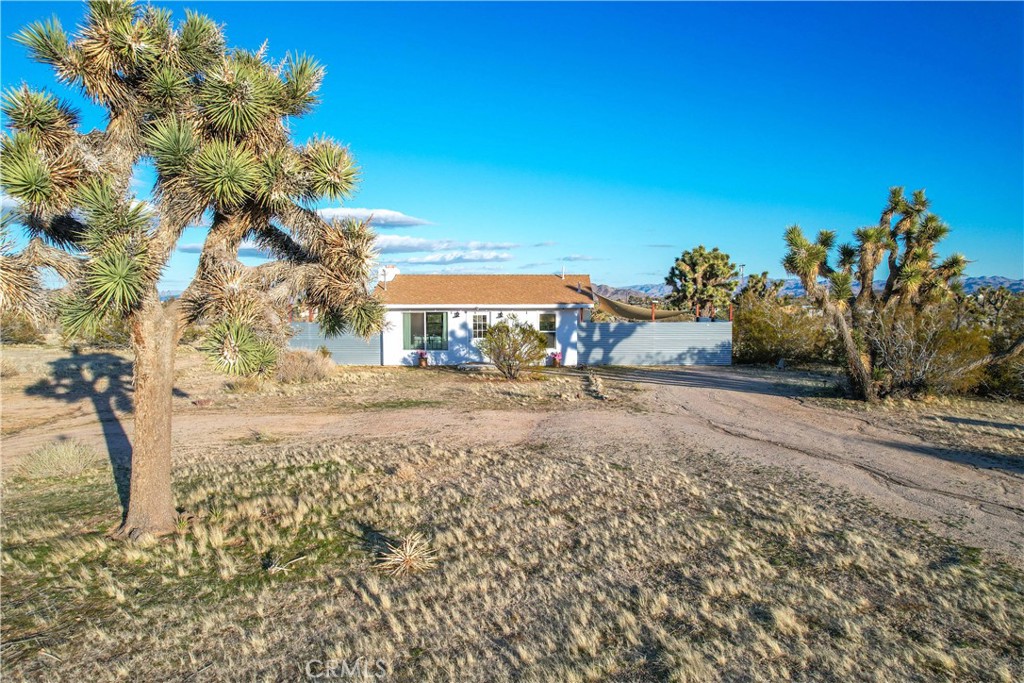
(655, 343)
(345, 349)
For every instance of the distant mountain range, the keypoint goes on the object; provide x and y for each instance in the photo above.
(793, 287)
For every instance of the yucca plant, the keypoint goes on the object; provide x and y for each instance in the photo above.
(906, 237)
(213, 122)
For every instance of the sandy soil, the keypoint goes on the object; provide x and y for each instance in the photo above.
(972, 493)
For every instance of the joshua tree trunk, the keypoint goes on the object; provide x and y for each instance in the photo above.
(155, 332)
(856, 367)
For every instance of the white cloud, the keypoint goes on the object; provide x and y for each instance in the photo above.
(544, 244)
(379, 218)
(580, 257)
(473, 256)
(402, 244)
(8, 203)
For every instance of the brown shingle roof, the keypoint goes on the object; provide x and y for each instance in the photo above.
(501, 290)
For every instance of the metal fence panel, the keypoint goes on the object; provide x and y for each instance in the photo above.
(655, 343)
(345, 349)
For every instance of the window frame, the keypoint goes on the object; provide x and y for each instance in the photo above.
(551, 334)
(409, 338)
(473, 325)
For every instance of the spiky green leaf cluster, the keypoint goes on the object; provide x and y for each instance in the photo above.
(302, 77)
(240, 98)
(332, 172)
(172, 142)
(47, 121)
(236, 349)
(225, 172)
(200, 42)
(25, 174)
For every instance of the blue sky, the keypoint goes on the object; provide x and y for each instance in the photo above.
(609, 137)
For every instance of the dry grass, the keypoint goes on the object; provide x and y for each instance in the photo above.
(63, 458)
(303, 367)
(558, 565)
(8, 369)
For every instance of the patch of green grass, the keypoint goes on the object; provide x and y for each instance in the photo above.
(398, 404)
(256, 436)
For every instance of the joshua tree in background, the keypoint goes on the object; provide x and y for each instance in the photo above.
(213, 120)
(760, 287)
(702, 281)
(906, 237)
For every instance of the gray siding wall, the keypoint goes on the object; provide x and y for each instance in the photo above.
(345, 349)
(655, 343)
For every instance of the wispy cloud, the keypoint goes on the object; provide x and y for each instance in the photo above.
(469, 269)
(659, 246)
(247, 248)
(544, 244)
(379, 218)
(536, 264)
(402, 244)
(460, 257)
(580, 257)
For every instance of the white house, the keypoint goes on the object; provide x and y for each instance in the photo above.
(446, 315)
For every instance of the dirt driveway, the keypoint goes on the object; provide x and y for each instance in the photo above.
(970, 494)
(970, 491)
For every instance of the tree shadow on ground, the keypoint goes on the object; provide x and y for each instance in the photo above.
(105, 379)
(971, 457)
(980, 423)
(772, 383)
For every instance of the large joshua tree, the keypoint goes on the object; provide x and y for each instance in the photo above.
(905, 238)
(213, 121)
(701, 280)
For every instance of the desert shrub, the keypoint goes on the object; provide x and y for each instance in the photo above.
(302, 367)
(65, 458)
(8, 369)
(245, 384)
(192, 334)
(513, 345)
(766, 330)
(1006, 379)
(917, 353)
(19, 329)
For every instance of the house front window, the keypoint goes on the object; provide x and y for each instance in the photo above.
(479, 325)
(427, 331)
(547, 326)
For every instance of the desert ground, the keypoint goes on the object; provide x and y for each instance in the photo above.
(603, 524)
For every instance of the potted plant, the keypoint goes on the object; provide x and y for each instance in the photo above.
(422, 356)
(556, 359)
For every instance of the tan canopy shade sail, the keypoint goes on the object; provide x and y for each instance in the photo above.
(640, 313)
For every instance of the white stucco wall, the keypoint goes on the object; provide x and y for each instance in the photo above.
(462, 348)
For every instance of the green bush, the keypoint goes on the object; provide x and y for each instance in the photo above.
(767, 330)
(512, 346)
